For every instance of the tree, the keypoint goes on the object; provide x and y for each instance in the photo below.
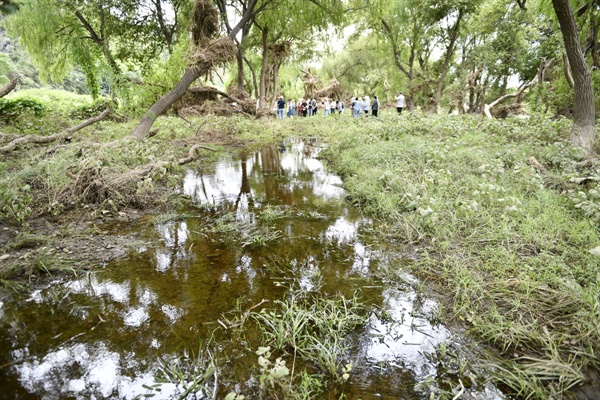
(94, 36)
(584, 118)
(210, 52)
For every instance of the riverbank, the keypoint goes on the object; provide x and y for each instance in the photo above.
(499, 218)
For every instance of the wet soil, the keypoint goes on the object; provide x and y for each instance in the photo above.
(78, 240)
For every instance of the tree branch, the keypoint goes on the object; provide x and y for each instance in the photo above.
(9, 87)
(99, 41)
(47, 139)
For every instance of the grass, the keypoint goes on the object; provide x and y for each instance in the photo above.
(505, 243)
(310, 333)
(508, 249)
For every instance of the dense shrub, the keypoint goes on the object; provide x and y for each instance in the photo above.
(10, 108)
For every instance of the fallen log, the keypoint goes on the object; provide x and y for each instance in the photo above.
(57, 136)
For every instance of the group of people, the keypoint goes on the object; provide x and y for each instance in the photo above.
(310, 107)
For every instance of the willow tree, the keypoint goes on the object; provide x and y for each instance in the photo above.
(94, 35)
(209, 51)
(281, 30)
(413, 29)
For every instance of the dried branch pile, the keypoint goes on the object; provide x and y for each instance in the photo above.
(205, 23)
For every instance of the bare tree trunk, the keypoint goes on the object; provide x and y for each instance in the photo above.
(9, 87)
(584, 119)
(254, 81)
(263, 70)
(143, 127)
(275, 80)
(47, 139)
(447, 58)
(240, 72)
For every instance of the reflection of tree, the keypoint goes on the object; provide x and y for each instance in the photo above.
(272, 174)
(245, 187)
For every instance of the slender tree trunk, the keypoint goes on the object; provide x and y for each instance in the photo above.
(584, 118)
(240, 72)
(275, 81)
(447, 58)
(254, 81)
(264, 68)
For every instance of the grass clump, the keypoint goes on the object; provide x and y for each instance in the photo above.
(507, 242)
(304, 343)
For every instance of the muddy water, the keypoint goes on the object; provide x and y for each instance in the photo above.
(101, 335)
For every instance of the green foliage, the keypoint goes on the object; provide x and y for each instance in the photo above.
(92, 110)
(53, 101)
(10, 108)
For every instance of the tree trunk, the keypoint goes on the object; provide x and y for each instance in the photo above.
(264, 68)
(275, 81)
(254, 81)
(240, 72)
(143, 127)
(9, 87)
(57, 136)
(447, 58)
(584, 119)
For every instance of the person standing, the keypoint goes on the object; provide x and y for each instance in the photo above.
(291, 107)
(358, 105)
(400, 102)
(366, 105)
(375, 106)
(326, 106)
(313, 103)
(280, 107)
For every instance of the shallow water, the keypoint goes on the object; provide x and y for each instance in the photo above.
(101, 335)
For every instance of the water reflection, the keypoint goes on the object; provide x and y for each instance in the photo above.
(99, 336)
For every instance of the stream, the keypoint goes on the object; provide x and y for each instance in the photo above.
(101, 335)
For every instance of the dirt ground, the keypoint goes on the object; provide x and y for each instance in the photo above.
(46, 249)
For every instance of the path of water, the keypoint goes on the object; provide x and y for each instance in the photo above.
(100, 335)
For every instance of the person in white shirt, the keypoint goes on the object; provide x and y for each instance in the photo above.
(366, 105)
(400, 102)
(326, 106)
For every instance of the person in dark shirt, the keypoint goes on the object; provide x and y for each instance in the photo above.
(280, 107)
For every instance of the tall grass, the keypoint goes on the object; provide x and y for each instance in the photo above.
(505, 242)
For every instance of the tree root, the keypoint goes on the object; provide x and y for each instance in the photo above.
(57, 136)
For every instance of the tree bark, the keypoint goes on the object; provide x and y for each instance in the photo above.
(263, 70)
(584, 118)
(9, 87)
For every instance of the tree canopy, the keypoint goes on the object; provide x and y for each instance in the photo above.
(450, 55)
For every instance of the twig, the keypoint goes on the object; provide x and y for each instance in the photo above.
(460, 393)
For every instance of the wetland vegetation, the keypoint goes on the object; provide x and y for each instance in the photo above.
(164, 235)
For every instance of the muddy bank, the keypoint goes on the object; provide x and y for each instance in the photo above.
(46, 249)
